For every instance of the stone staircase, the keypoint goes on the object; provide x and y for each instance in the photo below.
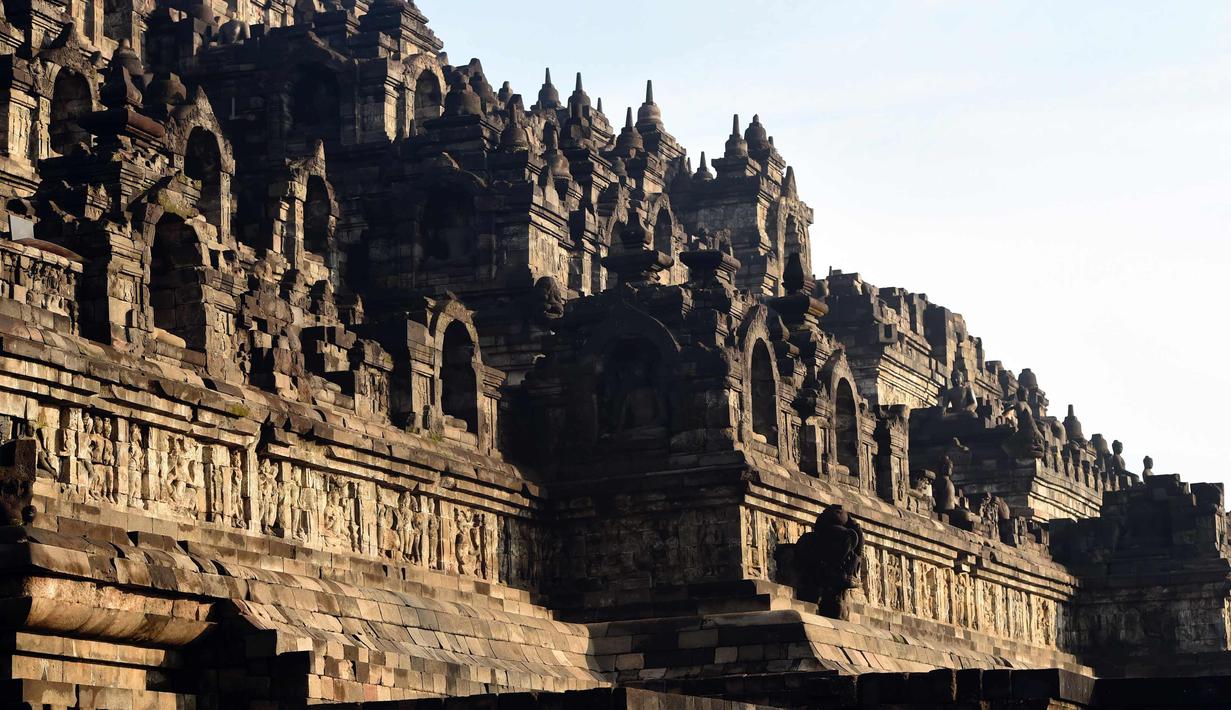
(700, 638)
(228, 614)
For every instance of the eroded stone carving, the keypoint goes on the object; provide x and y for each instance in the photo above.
(182, 460)
(270, 496)
(46, 464)
(137, 472)
(238, 498)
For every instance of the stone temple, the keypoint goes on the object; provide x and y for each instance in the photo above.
(332, 375)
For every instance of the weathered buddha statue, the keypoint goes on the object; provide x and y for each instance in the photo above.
(233, 30)
(632, 396)
(944, 493)
(1117, 465)
(1028, 440)
(549, 299)
(641, 405)
(960, 397)
(828, 560)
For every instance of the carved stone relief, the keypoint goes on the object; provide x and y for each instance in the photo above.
(238, 490)
(919, 588)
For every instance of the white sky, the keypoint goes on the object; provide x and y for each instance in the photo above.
(1057, 172)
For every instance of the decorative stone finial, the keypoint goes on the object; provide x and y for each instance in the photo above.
(755, 136)
(557, 165)
(514, 137)
(703, 172)
(1072, 426)
(649, 114)
(549, 97)
(629, 142)
(462, 100)
(120, 89)
(579, 101)
(737, 147)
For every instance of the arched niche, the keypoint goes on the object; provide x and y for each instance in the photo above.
(446, 229)
(70, 101)
(174, 283)
(764, 395)
(319, 220)
(759, 410)
(428, 99)
(203, 162)
(792, 236)
(664, 232)
(846, 427)
(459, 384)
(315, 102)
(630, 387)
(607, 244)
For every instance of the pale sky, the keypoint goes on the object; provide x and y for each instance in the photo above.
(1057, 172)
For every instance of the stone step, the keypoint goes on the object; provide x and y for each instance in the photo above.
(270, 559)
(53, 694)
(357, 632)
(683, 600)
(786, 640)
(976, 642)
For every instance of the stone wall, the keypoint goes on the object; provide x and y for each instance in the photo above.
(917, 575)
(331, 372)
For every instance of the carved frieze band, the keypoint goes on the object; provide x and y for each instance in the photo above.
(898, 582)
(101, 459)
